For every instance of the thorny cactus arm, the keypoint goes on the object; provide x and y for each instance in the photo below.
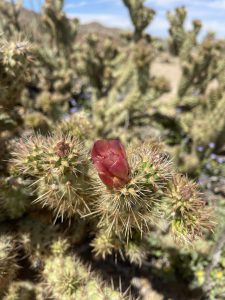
(214, 260)
(35, 236)
(186, 210)
(56, 87)
(54, 74)
(105, 244)
(128, 91)
(15, 57)
(132, 206)
(176, 30)
(59, 167)
(132, 93)
(8, 261)
(78, 125)
(96, 62)
(137, 189)
(182, 42)
(141, 16)
(63, 30)
(23, 290)
(37, 121)
(9, 17)
(67, 278)
(14, 198)
(132, 196)
(190, 40)
(200, 68)
(15, 62)
(209, 127)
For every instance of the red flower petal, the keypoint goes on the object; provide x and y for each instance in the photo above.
(107, 180)
(119, 168)
(109, 158)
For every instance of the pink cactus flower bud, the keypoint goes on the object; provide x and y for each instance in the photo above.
(109, 158)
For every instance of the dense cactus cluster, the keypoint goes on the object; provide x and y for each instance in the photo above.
(83, 172)
(195, 113)
(182, 41)
(8, 262)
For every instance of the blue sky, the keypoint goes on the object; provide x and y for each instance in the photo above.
(113, 13)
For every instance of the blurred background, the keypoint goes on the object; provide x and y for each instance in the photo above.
(114, 14)
(129, 69)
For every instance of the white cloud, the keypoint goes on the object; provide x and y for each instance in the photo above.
(159, 26)
(204, 4)
(170, 4)
(83, 3)
(218, 4)
(109, 20)
(211, 17)
(92, 2)
(75, 5)
(164, 2)
(107, 1)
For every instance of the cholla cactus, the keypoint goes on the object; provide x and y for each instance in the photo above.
(209, 127)
(198, 102)
(37, 122)
(54, 83)
(176, 30)
(8, 261)
(10, 13)
(181, 41)
(121, 107)
(35, 235)
(63, 30)
(186, 210)
(131, 200)
(140, 15)
(58, 197)
(116, 90)
(67, 278)
(78, 125)
(14, 198)
(136, 251)
(21, 290)
(14, 60)
(190, 40)
(201, 105)
(59, 166)
(95, 61)
(128, 198)
(200, 68)
(104, 245)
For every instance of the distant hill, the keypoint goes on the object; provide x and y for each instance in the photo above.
(29, 20)
(95, 27)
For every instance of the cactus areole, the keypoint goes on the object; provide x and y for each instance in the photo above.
(110, 161)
